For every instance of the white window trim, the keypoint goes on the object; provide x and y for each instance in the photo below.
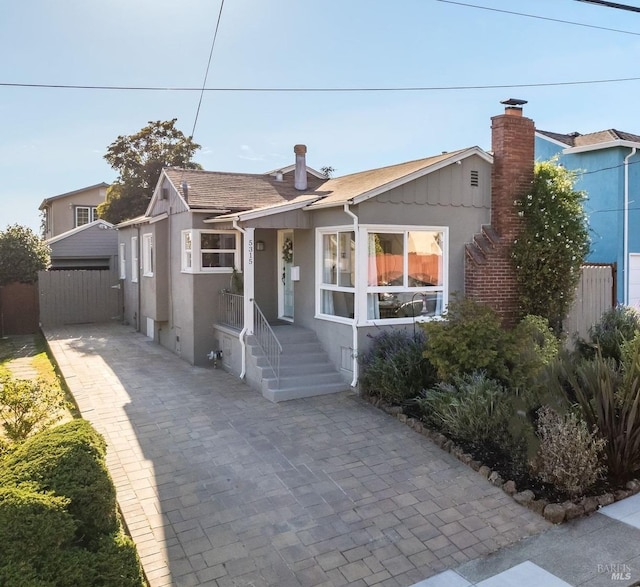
(362, 267)
(320, 286)
(196, 252)
(184, 265)
(134, 259)
(147, 255)
(92, 214)
(123, 261)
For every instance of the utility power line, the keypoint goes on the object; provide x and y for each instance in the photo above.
(616, 5)
(317, 89)
(581, 24)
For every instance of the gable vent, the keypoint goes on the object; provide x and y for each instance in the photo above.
(164, 194)
(474, 178)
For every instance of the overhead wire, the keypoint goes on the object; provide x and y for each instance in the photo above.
(206, 74)
(581, 24)
(318, 89)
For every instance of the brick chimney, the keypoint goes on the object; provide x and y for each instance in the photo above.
(489, 272)
(300, 177)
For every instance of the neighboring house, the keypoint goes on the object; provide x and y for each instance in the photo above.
(78, 239)
(326, 263)
(608, 170)
(90, 246)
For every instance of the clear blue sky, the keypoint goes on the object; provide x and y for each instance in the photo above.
(53, 140)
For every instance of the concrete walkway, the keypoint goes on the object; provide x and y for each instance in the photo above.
(220, 487)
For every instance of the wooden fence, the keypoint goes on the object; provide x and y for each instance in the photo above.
(596, 293)
(19, 309)
(79, 297)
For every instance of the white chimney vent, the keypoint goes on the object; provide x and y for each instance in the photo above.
(300, 180)
(278, 175)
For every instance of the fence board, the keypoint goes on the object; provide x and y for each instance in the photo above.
(19, 309)
(594, 295)
(78, 297)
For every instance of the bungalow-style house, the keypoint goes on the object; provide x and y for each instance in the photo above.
(78, 239)
(607, 165)
(282, 277)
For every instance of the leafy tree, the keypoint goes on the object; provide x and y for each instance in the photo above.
(549, 252)
(22, 254)
(139, 159)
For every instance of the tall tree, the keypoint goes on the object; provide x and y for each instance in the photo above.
(22, 254)
(139, 159)
(549, 252)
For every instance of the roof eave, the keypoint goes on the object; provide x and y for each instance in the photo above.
(600, 146)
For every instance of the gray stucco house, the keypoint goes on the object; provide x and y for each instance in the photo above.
(324, 262)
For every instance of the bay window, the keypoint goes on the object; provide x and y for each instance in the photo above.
(405, 272)
(337, 273)
(209, 251)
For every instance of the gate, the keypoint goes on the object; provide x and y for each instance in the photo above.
(79, 297)
(596, 293)
(19, 309)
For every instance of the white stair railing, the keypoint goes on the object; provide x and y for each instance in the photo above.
(267, 340)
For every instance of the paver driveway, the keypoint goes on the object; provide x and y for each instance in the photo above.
(220, 487)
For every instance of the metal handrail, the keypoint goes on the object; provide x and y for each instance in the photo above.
(267, 340)
(231, 310)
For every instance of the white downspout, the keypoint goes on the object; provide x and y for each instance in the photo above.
(243, 332)
(626, 225)
(356, 311)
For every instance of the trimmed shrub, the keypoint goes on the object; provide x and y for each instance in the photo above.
(28, 405)
(394, 367)
(33, 524)
(68, 460)
(569, 456)
(616, 326)
(472, 339)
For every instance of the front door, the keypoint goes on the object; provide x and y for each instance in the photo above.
(285, 283)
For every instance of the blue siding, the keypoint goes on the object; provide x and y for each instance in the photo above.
(601, 176)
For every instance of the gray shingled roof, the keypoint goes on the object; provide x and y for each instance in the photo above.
(594, 138)
(242, 191)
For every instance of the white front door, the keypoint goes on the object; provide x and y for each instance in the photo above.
(285, 283)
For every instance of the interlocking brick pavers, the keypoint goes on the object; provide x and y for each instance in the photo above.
(220, 487)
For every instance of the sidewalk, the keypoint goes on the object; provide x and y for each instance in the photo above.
(220, 487)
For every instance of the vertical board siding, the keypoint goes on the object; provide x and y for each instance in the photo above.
(79, 297)
(594, 295)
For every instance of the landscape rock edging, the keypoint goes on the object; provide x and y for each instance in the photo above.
(556, 513)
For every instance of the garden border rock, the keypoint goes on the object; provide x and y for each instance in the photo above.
(555, 513)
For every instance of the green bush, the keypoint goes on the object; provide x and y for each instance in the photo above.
(37, 546)
(569, 456)
(616, 326)
(473, 408)
(28, 405)
(394, 367)
(34, 523)
(68, 460)
(608, 395)
(472, 339)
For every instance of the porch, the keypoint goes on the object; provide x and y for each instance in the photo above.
(281, 360)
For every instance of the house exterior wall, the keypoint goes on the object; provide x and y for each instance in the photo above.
(61, 211)
(604, 184)
(129, 287)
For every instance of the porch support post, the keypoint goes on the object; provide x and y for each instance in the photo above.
(248, 264)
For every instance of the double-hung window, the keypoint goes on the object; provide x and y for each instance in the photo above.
(147, 255)
(337, 273)
(134, 259)
(123, 261)
(406, 272)
(85, 215)
(210, 251)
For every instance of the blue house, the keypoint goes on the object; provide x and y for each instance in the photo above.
(608, 169)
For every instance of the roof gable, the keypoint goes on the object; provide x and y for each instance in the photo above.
(591, 141)
(47, 201)
(96, 223)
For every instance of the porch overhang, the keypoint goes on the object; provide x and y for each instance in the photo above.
(298, 203)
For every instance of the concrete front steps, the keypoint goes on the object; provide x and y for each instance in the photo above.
(305, 368)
